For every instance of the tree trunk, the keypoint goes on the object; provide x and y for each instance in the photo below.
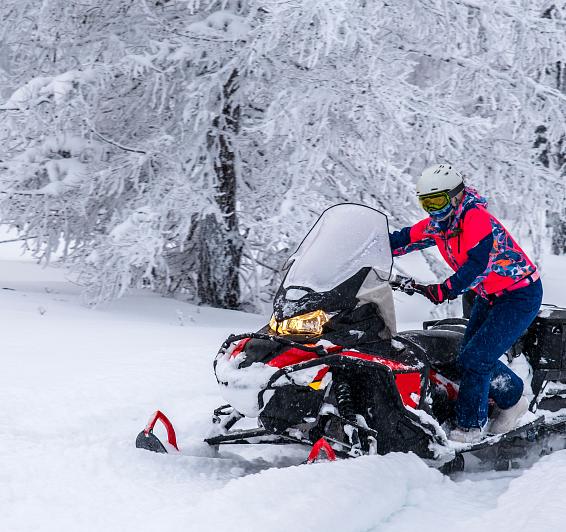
(555, 156)
(220, 245)
(558, 226)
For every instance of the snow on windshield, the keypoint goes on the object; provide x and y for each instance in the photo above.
(346, 238)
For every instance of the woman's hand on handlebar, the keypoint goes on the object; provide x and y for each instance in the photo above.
(404, 284)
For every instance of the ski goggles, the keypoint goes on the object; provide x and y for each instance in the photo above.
(436, 201)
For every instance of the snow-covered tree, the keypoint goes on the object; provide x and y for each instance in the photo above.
(554, 155)
(186, 145)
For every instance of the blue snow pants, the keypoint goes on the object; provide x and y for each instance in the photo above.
(493, 328)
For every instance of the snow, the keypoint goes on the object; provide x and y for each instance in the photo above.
(79, 384)
(42, 88)
(222, 23)
(242, 384)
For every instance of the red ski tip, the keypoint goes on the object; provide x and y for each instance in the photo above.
(160, 416)
(318, 447)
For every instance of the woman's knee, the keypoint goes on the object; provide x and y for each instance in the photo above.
(506, 389)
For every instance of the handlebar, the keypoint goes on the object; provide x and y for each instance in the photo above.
(406, 285)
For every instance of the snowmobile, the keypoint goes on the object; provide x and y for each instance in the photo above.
(331, 372)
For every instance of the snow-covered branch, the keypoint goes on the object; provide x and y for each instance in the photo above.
(231, 124)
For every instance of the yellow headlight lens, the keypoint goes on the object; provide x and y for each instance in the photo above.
(309, 324)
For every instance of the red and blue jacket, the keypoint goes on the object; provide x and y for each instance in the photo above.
(482, 253)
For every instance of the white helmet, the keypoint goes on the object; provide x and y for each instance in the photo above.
(440, 178)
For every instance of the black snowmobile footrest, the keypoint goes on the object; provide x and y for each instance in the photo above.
(501, 438)
(556, 426)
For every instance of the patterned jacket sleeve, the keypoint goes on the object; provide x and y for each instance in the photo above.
(410, 239)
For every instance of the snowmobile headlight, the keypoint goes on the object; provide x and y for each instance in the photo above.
(310, 324)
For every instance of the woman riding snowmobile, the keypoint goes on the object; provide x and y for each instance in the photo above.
(486, 259)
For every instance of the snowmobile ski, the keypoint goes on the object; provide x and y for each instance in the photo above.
(321, 446)
(149, 441)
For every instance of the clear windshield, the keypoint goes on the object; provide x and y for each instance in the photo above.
(346, 238)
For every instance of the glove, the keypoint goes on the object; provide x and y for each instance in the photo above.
(437, 293)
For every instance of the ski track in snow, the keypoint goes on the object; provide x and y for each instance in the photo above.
(77, 385)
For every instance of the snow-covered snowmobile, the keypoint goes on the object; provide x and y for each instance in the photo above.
(330, 371)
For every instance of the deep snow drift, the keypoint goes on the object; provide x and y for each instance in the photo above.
(77, 385)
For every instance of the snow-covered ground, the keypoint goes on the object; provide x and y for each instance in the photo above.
(77, 385)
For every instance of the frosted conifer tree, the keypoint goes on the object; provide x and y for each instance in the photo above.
(186, 145)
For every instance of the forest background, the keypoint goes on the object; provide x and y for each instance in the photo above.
(184, 146)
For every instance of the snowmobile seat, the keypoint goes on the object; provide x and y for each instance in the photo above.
(442, 347)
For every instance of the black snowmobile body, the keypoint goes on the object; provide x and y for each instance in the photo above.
(347, 384)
